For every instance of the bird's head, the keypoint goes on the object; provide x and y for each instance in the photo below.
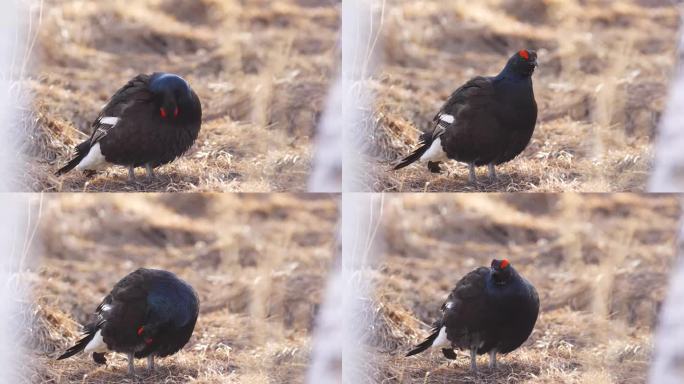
(522, 63)
(172, 94)
(502, 271)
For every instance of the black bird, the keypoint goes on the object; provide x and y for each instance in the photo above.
(148, 313)
(491, 310)
(149, 122)
(487, 121)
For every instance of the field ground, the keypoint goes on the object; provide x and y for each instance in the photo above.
(261, 69)
(599, 262)
(259, 264)
(601, 85)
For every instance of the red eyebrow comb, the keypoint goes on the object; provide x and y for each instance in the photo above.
(504, 264)
(524, 54)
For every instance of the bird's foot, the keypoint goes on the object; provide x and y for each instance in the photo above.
(472, 179)
(492, 173)
(131, 365)
(492, 359)
(433, 166)
(473, 361)
(150, 172)
(150, 363)
(131, 174)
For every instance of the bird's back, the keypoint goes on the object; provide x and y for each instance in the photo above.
(149, 296)
(174, 305)
(493, 122)
(464, 312)
(490, 316)
(123, 310)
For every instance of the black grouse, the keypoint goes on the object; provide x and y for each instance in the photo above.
(148, 313)
(487, 121)
(491, 310)
(149, 122)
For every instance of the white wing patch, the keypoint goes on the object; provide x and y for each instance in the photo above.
(94, 160)
(449, 119)
(97, 344)
(441, 339)
(435, 152)
(109, 120)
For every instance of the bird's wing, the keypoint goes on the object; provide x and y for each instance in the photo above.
(133, 287)
(462, 307)
(476, 91)
(135, 91)
(104, 305)
(125, 307)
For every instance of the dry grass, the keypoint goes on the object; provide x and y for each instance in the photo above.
(601, 87)
(259, 264)
(599, 262)
(261, 69)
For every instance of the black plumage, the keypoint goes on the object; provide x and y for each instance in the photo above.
(150, 121)
(487, 121)
(491, 310)
(148, 313)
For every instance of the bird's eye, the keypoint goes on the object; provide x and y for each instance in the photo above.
(524, 54)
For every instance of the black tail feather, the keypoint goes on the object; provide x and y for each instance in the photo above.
(81, 152)
(424, 145)
(79, 346)
(427, 343)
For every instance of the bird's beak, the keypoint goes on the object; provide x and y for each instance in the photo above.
(534, 63)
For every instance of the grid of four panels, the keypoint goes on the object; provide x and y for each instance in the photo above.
(341, 191)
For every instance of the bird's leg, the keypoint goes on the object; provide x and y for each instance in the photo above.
(472, 179)
(492, 172)
(150, 171)
(492, 359)
(473, 359)
(150, 363)
(131, 364)
(131, 174)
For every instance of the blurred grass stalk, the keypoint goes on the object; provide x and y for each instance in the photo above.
(668, 172)
(14, 60)
(326, 175)
(667, 366)
(668, 176)
(18, 19)
(361, 218)
(362, 21)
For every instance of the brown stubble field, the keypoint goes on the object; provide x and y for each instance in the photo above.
(599, 262)
(261, 69)
(258, 262)
(601, 85)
